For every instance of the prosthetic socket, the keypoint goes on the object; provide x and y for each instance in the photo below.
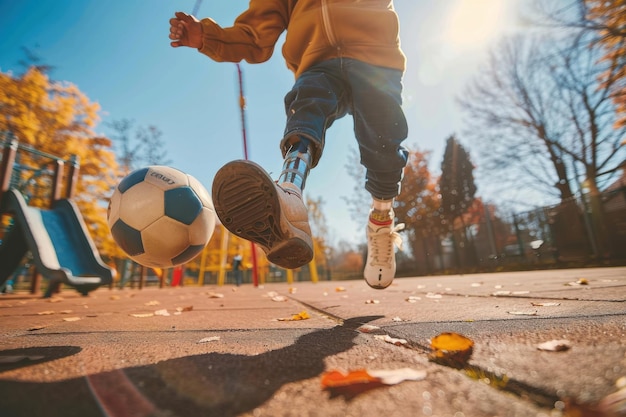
(297, 164)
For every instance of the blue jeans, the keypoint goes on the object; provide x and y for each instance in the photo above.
(373, 96)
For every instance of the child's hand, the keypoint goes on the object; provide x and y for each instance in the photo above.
(185, 30)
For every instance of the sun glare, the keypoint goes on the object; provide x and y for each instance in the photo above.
(472, 23)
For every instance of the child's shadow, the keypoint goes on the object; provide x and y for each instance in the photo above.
(213, 384)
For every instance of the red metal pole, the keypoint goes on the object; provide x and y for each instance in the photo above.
(242, 107)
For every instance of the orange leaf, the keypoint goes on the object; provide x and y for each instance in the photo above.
(451, 349)
(333, 379)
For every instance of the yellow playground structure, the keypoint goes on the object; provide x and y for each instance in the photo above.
(217, 259)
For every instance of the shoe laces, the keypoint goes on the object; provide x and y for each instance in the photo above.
(382, 242)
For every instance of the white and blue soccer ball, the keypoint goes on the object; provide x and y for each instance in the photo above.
(160, 216)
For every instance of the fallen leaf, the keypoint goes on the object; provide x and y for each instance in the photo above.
(340, 289)
(451, 349)
(71, 319)
(433, 295)
(45, 313)
(336, 379)
(580, 281)
(372, 301)
(216, 295)
(358, 381)
(368, 328)
(555, 345)
(142, 315)
(34, 328)
(546, 304)
(395, 376)
(152, 303)
(66, 312)
(292, 290)
(397, 319)
(114, 297)
(497, 293)
(303, 315)
(413, 299)
(163, 312)
(209, 339)
(523, 313)
(279, 298)
(392, 340)
(184, 309)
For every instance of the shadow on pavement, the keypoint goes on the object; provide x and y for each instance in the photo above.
(20, 358)
(213, 384)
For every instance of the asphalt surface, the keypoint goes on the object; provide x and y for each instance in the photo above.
(227, 351)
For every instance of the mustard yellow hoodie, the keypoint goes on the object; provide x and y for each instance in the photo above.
(317, 30)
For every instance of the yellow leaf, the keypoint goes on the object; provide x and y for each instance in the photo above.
(303, 315)
(451, 349)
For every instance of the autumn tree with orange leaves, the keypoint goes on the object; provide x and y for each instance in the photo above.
(419, 207)
(56, 118)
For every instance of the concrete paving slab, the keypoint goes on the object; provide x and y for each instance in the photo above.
(228, 354)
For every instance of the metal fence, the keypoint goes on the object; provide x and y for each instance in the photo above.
(578, 232)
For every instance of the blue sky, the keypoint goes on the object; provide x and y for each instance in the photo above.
(117, 52)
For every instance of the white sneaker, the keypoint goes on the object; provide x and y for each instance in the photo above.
(380, 268)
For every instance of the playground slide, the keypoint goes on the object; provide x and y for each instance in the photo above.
(59, 241)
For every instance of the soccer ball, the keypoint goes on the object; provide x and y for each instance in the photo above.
(160, 216)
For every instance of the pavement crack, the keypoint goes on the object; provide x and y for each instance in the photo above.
(501, 382)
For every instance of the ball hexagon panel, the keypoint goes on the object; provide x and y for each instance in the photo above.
(182, 204)
(128, 238)
(202, 192)
(189, 253)
(141, 205)
(131, 179)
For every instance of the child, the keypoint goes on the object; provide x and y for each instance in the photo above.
(346, 58)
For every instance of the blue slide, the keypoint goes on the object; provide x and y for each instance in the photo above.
(59, 242)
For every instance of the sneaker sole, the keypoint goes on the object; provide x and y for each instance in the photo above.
(246, 203)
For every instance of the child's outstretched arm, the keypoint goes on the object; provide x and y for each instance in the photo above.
(185, 30)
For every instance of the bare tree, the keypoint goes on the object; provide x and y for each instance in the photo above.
(538, 109)
(540, 114)
(153, 150)
(127, 151)
(603, 23)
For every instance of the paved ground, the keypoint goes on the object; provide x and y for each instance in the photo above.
(223, 351)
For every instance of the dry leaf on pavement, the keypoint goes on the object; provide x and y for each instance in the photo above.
(451, 349)
(303, 315)
(368, 328)
(355, 382)
(209, 339)
(141, 315)
(392, 340)
(523, 313)
(555, 345)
